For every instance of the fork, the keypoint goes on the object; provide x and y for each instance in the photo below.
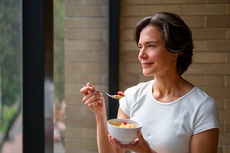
(111, 96)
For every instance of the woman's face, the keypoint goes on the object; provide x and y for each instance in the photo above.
(154, 57)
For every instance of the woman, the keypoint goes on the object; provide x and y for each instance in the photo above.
(177, 116)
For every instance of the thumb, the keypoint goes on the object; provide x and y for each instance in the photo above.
(140, 136)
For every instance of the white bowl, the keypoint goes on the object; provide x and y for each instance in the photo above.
(123, 135)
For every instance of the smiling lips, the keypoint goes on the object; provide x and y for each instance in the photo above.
(146, 64)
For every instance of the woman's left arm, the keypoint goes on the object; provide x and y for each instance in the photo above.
(205, 142)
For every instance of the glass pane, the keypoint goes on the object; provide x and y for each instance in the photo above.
(10, 76)
(59, 104)
(80, 56)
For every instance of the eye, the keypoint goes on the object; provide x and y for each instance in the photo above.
(139, 47)
(150, 45)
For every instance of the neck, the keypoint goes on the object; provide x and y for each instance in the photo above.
(170, 86)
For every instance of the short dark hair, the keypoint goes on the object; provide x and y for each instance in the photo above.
(176, 34)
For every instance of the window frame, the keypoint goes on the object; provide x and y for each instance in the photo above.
(38, 87)
(113, 56)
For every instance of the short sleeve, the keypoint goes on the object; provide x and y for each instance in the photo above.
(207, 116)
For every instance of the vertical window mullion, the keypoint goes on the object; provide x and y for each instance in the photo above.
(37, 76)
(113, 55)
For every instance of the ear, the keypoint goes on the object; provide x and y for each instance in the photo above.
(175, 56)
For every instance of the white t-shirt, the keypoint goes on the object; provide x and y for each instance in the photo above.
(168, 127)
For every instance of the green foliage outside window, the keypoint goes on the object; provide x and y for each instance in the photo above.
(11, 56)
(10, 63)
(10, 51)
(59, 15)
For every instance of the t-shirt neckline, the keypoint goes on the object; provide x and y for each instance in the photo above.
(172, 102)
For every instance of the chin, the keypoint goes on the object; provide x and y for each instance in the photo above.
(147, 74)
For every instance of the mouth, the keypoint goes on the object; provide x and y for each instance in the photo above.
(146, 64)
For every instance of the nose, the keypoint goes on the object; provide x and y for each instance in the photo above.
(142, 54)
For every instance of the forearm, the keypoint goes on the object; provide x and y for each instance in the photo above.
(104, 146)
(95, 101)
(153, 151)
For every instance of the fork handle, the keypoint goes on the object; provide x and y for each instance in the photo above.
(101, 91)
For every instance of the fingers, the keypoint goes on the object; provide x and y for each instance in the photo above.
(138, 145)
(88, 84)
(85, 90)
(110, 137)
(112, 140)
(117, 144)
(128, 146)
(93, 101)
(88, 91)
(140, 136)
(91, 98)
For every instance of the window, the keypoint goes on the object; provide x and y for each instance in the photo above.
(10, 76)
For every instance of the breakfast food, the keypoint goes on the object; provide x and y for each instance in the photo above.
(125, 125)
(120, 95)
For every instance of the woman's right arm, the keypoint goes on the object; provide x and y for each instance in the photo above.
(95, 101)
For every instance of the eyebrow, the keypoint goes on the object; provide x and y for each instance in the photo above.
(148, 42)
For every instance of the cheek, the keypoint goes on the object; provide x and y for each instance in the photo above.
(154, 56)
(162, 55)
